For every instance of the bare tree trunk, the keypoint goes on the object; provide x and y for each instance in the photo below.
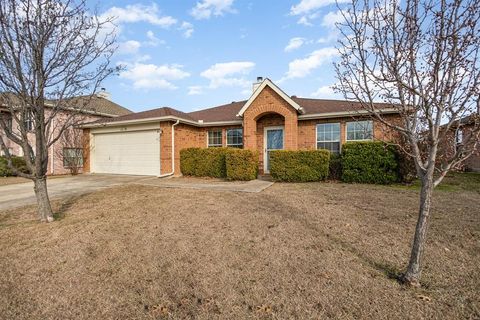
(45, 213)
(413, 273)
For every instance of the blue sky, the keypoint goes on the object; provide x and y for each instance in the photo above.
(191, 55)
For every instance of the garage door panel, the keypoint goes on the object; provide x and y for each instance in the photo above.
(127, 153)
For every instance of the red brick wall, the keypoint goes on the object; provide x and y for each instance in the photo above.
(268, 102)
(307, 133)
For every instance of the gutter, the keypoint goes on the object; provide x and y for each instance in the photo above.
(173, 153)
(343, 114)
(159, 119)
(200, 123)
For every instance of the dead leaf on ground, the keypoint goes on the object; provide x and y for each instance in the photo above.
(424, 298)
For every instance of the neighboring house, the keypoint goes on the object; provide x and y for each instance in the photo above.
(149, 142)
(459, 134)
(60, 153)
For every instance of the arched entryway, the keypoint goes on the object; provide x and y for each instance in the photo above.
(269, 111)
(270, 136)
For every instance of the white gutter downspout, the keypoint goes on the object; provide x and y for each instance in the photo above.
(173, 153)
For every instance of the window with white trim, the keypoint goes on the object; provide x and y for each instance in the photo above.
(215, 138)
(359, 130)
(235, 138)
(72, 157)
(328, 137)
(28, 120)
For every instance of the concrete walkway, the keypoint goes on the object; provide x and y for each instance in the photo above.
(21, 194)
(207, 184)
(18, 195)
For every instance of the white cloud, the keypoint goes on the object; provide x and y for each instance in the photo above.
(325, 92)
(187, 29)
(129, 47)
(294, 44)
(139, 13)
(309, 9)
(151, 76)
(195, 90)
(153, 40)
(307, 6)
(206, 8)
(332, 18)
(300, 68)
(228, 74)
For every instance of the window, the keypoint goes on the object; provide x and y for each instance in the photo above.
(72, 157)
(459, 136)
(235, 138)
(215, 138)
(328, 137)
(359, 130)
(28, 120)
(7, 120)
(458, 139)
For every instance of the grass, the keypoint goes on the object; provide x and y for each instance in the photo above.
(454, 181)
(294, 251)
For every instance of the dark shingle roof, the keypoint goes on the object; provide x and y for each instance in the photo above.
(154, 113)
(98, 105)
(93, 104)
(228, 112)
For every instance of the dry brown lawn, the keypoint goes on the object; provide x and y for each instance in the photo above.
(12, 180)
(305, 251)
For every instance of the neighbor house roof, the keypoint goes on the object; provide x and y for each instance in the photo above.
(94, 104)
(98, 105)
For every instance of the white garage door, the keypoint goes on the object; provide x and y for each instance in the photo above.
(136, 152)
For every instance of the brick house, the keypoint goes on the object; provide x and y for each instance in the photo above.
(459, 134)
(149, 142)
(99, 107)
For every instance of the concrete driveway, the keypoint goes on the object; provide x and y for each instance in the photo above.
(17, 195)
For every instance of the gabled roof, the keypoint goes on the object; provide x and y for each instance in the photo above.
(269, 83)
(231, 113)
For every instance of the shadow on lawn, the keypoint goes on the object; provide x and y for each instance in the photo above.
(390, 271)
(66, 205)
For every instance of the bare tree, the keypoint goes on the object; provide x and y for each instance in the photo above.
(50, 52)
(422, 58)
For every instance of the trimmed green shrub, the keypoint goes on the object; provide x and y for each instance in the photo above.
(203, 162)
(241, 164)
(299, 166)
(369, 162)
(18, 162)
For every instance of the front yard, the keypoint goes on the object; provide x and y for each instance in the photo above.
(317, 250)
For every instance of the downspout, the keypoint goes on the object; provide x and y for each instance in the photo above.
(173, 153)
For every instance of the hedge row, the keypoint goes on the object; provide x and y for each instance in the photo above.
(229, 163)
(360, 162)
(370, 162)
(299, 166)
(241, 164)
(18, 162)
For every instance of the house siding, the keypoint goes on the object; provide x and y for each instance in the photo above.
(55, 157)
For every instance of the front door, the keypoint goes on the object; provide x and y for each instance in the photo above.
(273, 140)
